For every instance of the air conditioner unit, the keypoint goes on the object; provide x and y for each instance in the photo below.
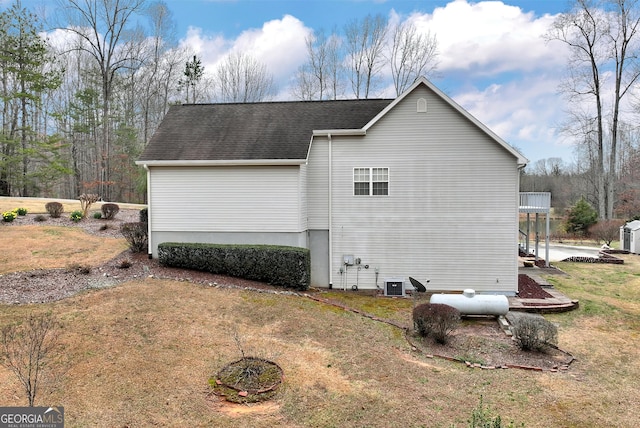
(394, 287)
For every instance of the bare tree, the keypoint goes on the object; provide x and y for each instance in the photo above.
(156, 77)
(106, 31)
(602, 38)
(319, 78)
(413, 54)
(242, 78)
(365, 41)
(30, 351)
(305, 85)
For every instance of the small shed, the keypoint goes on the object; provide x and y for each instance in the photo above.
(630, 237)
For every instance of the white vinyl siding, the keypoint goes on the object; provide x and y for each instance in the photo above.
(318, 184)
(228, 199)
(452, 214)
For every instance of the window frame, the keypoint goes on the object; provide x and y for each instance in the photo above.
(370, 174)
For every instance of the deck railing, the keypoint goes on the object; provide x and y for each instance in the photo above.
(535, 202)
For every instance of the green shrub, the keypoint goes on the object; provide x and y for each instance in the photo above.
(76, 216)
(110, 210)
(9, 216)
(21, 211)
(97, 215)
(55, 209)
(144, 215)
(435, 319)
(532, 332)
(482, 417)
(276, 265)
(136, 236)
(580, 217)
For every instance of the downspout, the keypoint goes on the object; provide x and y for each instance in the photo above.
(330, 213)
(149, 236)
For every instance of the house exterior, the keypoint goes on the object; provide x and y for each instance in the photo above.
(378, 190)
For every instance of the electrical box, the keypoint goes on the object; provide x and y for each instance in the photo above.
(394, 287)
(348, 260)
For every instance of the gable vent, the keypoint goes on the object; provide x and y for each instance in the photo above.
(422, 105)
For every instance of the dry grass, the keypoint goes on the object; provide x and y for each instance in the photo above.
(50, 247)
(141, 354)
(36, 205)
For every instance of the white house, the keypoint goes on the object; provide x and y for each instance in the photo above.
(378, 190)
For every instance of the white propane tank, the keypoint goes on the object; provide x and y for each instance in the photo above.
(470, 303)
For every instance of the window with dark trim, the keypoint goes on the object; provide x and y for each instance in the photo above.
(371, 181)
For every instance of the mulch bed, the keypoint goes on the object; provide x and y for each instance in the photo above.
(528, 288)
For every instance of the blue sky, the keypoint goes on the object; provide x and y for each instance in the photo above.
(494, 61)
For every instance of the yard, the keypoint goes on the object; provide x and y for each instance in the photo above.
(140, 353)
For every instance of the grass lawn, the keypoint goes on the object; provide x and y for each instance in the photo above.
(141, 353)
(36, 205)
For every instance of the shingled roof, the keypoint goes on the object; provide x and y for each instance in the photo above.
(256, 131)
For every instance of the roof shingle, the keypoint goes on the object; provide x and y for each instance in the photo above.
(256, 131)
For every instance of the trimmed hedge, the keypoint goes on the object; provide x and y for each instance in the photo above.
(276, 265)
(110, 210)
(54, 208)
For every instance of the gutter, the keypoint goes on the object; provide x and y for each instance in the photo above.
(232, 162)
(341, 132)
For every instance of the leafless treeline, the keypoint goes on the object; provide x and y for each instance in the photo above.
(79, 104)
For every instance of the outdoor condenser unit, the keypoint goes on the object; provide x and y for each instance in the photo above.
(394, 287)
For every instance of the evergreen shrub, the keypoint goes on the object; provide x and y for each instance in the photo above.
(9, 216)
(277, 265)
(580, 217)
(144, 215)
(76, 216)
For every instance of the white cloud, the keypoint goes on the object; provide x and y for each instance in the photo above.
(209, 48)
(279, 44)
(524, 112)
(490, 37)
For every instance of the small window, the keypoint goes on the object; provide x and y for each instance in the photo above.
(371, 181)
